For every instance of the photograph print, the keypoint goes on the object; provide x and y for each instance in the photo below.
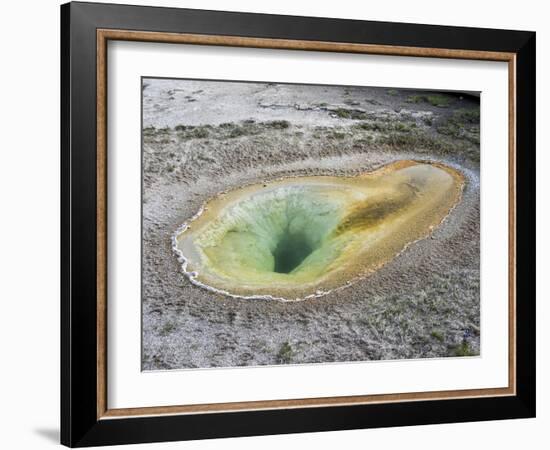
(307, 224)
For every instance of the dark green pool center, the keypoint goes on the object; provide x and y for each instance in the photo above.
(291, 250)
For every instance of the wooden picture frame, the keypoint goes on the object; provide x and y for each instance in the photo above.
(86, 418)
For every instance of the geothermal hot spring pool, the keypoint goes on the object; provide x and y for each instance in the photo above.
(302, 237)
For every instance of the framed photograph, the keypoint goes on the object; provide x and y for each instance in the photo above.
(276, 224)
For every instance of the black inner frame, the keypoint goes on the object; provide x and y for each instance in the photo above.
(79, 423)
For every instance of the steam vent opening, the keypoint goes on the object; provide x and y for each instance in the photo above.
(304, 236)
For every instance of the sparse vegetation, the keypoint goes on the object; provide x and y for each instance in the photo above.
(427, 121)
(439, 100)
(167, 328)
(415, 99)
(226, 130)
(343, 113)
(386, 126)
(277, 124)
(354, 114)
(459, 134)
(200, 133)
(437, 335)
(463, 124)
(238, 131)
(337, 135)
(285, 353)
(421, 141)
(467, 115)
(464, 349)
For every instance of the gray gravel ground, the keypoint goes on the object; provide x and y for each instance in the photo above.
(200, 138)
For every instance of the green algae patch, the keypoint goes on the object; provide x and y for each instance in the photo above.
(302, 237)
